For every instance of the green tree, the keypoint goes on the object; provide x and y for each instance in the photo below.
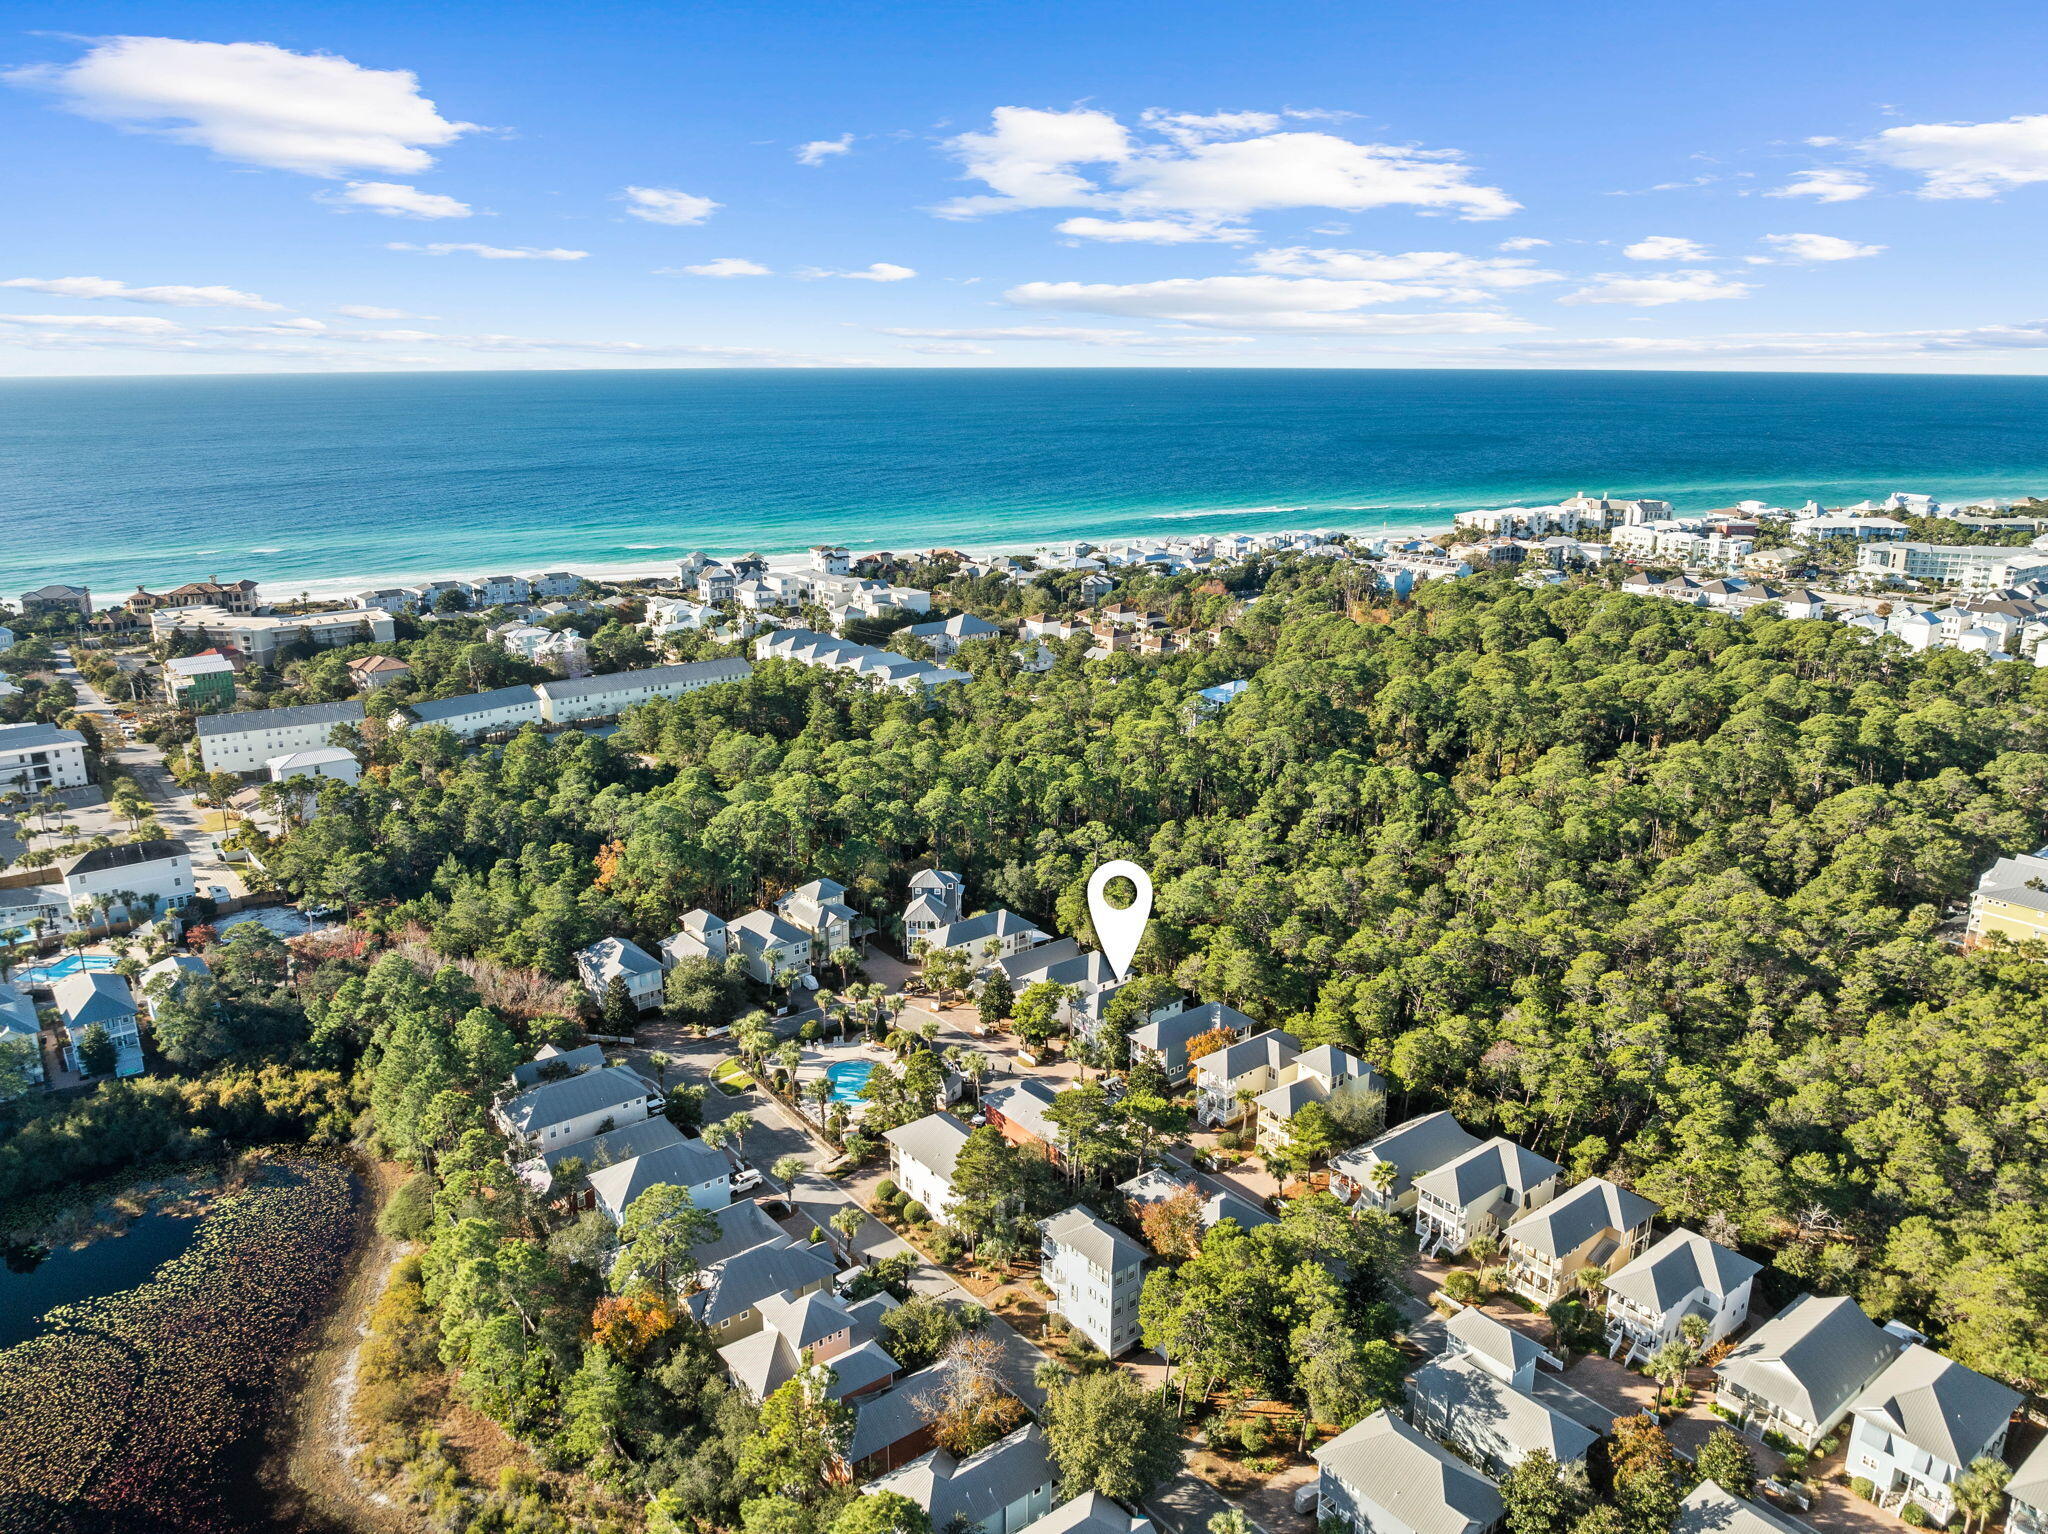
(802, 1435)
(997, 997)
(1537, 1498)
(620, 1016)
(96, 1053)
(882, 1512)
(188, 1018)
(655, 1238)
(1725, 1459)
(1108, 1434)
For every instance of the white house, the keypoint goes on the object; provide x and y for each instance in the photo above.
(1682, 1275)
(944, 638)
(1381, 1476)
(1918, 1425)
(1228, 1080)
(701, 936)
(501, 590)
(97, 997)
(602, 697)
(676, 615)
(2028, 1491)
(578, 1107)
(35, 757)
(985, 938)
(320, 762)
(132, 874)
(921, 1157)
(934, 902)
(776, 952)
(245, 742)
(830, 559)
(1486, 1188)
(618, 958)
(1596, 1225)
(820, 909)
(1972, 567)
(1463, 1400)
(701, 1171)
(1002, 1490)
(474, 715)
(1381, 1173)
(1799, 1373)
(1095, 1272)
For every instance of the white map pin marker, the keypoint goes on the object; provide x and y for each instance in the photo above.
(1119, 932)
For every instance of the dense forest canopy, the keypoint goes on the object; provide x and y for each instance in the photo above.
(1651, 889)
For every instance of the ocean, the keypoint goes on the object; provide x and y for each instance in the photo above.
(324, 483)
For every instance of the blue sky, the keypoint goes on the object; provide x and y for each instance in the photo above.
(207, 188)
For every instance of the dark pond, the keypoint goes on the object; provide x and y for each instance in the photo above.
(34, 1282)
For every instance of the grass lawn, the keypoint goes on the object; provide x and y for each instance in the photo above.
(731, 1078)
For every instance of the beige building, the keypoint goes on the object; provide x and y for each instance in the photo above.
(2011, 900)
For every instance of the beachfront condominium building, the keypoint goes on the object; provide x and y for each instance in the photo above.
(246, 742)
(37, 757)
(1973, 567)
(262, 637)
(1095, 1272)
(230, 596)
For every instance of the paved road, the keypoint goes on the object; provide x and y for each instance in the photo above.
(175, 810)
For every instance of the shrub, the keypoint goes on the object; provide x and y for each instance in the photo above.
(914, 1212)
(1252, 1436)
(1914, 1516)
(886, 1190)
(1864, 1487)
(946, 1248)
(1231, 1139)
(1463, 1286)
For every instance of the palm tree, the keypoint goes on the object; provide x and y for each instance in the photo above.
(1980, 1490)
(721, 1133)
(788, 1169)
(848, 1223)
(1667, 1367)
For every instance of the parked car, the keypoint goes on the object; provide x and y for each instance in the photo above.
(746, 1179)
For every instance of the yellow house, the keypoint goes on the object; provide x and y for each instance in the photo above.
(2011, 900)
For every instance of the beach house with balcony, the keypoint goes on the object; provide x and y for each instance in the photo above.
(99, 998)
(1165, 1041)
(1483, 1191)
(921, 1159)
(679, 1161)
(1682, 1275)
(818, 1328)
(578, 1107)
(1321, 1075)
(623, 960)
(1799, 1373)
(774, 951)
(701, 936)
(1595, 1225)
(1228, 1081)
(36, 756)
(1918, 1426)
(988, 937)
(1095, 1272)
(820, 909)
(935, 902)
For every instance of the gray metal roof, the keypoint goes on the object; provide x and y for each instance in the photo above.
(439, 709)
(124, 855)
(1089, 1513)
(1171, 1032)
(616, 1145)
(975, 928)
(1812, 1359)
(1708, 1509)
(1421, 1486)
(1273, 1048)
(1470, 1396)
(1672, 1270)
(2007, 880)
(1480, 1333)
(1102, 1244)
(884, 1420)
(652, 676)
(35, 734)
(1413, 1149)
(971, 1490)
(745, 1279)
(2029, 1483)
(741, 1227)
(1565, 1224)
(571, 1060)
(613, 957)
(349, 711)
(1938, 1405)
(685, 1163)
(552, 1102)
(1023, 1103)
(933, 1141)
(1478, 1174)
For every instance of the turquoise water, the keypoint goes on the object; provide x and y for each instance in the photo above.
(58, 969)
(849, 1080)
(303, 481)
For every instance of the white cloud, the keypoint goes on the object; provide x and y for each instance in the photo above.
(172, 294)
(1825, 347)
(1821, 140)
(950, 349)
(1156, 231)
(1665, 247)
(664, 205)
(1815, 247)
(819, 150)
(1261, 303)
(1437, 273)
(491, 252)
(396, 200)
(375, 312)
(254, 103)
(1650, 292)
(1825, 185)
(1217, 169)
(1968, 159)
(1015, 333)
(880, 271)
(124, 324)
(1523, 242)
(721, 266)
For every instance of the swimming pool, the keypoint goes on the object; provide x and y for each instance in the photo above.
(59, 969)
(849, 1080)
